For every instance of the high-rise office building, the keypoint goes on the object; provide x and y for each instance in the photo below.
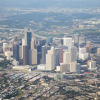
(56, 57)
(44, 52)
(73, 66)
(88, 44)
(33, 43)
(98, 58)
(39, 57)
(87, 49)
(61, 42)
(49, 62)
(28, 36)
(70, 58)
(64, 67)
(82, 53)
(98, 50)
(15, 39)
(82, 50)
(83, 56)
(67, 42)
(16, 51)
(78, 68)
(32, 56)
(67, 57)
(92, 64)
(38, 47)
(25, 55)
(76, 40)
(50, 59)
(73, 51)
(60, 55)
(20, 51)
(23, 44)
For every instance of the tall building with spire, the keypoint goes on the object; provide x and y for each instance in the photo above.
(28, 36)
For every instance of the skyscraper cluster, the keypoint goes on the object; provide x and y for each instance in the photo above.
(47, 54)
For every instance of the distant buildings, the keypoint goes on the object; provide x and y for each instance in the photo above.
(48, 55)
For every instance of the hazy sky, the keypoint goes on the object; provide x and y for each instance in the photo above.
(48, 3)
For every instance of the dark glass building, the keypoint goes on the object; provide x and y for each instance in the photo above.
(39, 56)
(38, 47)
(16, 51)
(28, 36)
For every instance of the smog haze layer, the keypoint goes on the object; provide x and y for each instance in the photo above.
(49, 3)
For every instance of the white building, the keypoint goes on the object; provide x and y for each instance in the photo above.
(23, 68)
(23, 44)
(82, 50)
(49, 62)
(50, 59)
(66, 57)
(5, 45)
(73, 66)
(70, 58)
(57, 68)
(67, 42)
(14, 62)
(41, 67)
(83, 56)
(32, 56)
(8, 54)
(82, 53)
